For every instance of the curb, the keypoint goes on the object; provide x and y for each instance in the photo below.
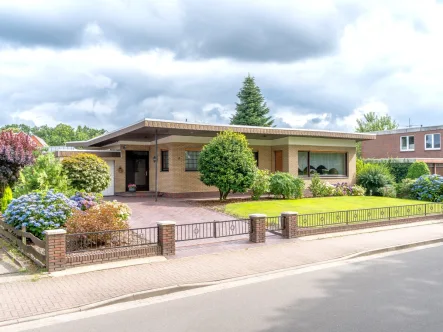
(178, 288)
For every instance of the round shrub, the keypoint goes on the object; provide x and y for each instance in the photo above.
(428, 188)
(373, 177)
(404, 188)
(87, 172)
(85, 201)
(6, 199)
(358, 190)
(418, 169)
(261, 184)
(39, 211)
(103, 217)
(286, 185)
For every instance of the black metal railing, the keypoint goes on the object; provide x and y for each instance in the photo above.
(325, 219)
(79, 242)
(213, 229)
(274, 224)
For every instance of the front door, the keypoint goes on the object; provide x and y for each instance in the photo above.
(137, 169)
(278, 161)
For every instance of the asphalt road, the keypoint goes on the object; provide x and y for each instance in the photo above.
(402, 292)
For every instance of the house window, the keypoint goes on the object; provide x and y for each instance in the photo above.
(191, 160)
(256, 157)
(407, 143)
(432, 142)
(322, 163)
(165, 161)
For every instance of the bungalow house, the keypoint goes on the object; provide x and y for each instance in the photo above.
(161, 156)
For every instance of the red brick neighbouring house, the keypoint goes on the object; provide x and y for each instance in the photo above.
(409, 144)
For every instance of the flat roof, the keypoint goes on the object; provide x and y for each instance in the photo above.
(145, 131)
(408, 130)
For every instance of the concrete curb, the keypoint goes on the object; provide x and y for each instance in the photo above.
(178, 288)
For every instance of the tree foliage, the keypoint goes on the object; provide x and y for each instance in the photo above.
(59, 134)
(87, 172)
(418, 169)
(46, 173)
(227, 163)
(6, 199)
(16, 152)
(251, 110)
(374, 122)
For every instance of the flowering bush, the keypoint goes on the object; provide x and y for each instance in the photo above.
(132, 185)
(16, 152)
(106, 216)
(428, 188)
(85, 201)
(123, 211)
(320, 188)
(358, 190)
(39, 211)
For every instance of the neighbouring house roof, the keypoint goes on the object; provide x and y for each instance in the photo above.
(40, 142)
(145, 131)
(408, 130)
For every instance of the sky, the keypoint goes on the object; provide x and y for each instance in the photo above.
(320, 64)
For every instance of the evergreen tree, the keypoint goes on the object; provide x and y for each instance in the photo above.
(252, 109)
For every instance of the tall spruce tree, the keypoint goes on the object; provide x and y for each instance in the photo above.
(252, 109)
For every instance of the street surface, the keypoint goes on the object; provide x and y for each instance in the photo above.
(401, 292)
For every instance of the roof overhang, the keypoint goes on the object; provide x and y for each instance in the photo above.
(146, 130)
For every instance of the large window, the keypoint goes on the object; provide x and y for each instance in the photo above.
(407, 143)
(432, 142)
(165, 161)
(322, 163)
(191, 160)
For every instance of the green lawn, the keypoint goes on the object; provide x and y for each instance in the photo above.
(313, 205)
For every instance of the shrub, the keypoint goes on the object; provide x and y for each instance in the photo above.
(16, 152)
(428, 188)
(102, 217)
(45, 174)
(6, 199)
(418, 169)
(388, 191)
(358, 190)
(373, 177)
(39, 211)
(261, 184)
(359, 165)
(85, 201)
(286, 185)
(320, 188)
(404, 188)
(397, 168)
(87, 172)
(227, 163)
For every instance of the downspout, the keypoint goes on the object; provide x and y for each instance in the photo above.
(156, 166)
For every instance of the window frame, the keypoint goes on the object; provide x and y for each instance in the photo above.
(345, 155)
(433, 142)
(408, 144)
(191, 170)
(162, 166)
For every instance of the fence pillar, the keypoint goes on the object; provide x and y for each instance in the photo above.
(55, 249)
(166, 237)
(290, 224)
(258, 228)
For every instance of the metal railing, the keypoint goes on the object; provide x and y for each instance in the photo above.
(134, 237)
(213, 229)
(325, 219)
(274, 224)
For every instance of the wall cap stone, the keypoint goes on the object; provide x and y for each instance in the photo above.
(54, 231)
(257, 215)
(166, 222)
(289, 213)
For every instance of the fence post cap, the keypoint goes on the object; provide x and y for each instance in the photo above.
(54, 231)
(165, 223)
(289, 213)
(257, 215)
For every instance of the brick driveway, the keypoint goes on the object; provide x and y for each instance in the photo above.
(146, 212)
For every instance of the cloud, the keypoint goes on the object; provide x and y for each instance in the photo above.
(110, 63)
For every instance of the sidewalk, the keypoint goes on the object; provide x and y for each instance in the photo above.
(27, 298)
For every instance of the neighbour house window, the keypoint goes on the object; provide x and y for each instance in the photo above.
(256, 157)
(432, 142)
(165, 161)
(191, 160)
(407, 143)
(322, 163)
